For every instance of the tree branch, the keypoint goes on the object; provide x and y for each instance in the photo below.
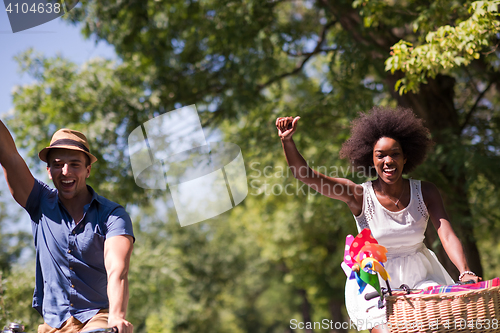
(307, 55)
(352, 22)
(476, 103)
(348, 23)
(303, 54)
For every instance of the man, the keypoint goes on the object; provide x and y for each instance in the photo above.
(83, 241)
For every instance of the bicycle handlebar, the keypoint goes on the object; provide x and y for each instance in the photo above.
(104, 330)
(403, 287)
(16, 328)
(371, 295)
(13, 328)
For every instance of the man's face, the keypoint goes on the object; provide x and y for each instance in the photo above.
(68, 170)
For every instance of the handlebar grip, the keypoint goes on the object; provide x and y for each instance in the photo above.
(371, 295)
(115, 329)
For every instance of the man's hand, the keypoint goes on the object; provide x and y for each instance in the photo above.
(122, 325)
(286, 127)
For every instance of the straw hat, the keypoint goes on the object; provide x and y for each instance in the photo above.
(68, 139)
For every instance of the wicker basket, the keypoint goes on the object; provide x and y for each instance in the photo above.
(463, 311)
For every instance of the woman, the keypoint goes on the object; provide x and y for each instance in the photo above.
(386, 143)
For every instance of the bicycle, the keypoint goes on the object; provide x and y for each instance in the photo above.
(402, 290)
(18, 328)
(13, 328)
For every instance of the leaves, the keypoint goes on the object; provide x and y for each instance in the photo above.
(446, 48)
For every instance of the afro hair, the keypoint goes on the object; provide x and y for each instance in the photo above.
(399, 124)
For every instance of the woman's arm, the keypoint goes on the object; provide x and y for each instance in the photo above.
(441, 221)
(335, 188)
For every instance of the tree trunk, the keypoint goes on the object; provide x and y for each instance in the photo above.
(337, 319)
(305, 310)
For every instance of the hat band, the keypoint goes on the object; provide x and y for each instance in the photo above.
(69, 142)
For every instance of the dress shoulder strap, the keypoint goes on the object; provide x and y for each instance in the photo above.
(367, 211)
(417, 197)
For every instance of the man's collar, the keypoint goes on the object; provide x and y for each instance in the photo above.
(95, 196)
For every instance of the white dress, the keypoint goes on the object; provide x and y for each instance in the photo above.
(408, 260)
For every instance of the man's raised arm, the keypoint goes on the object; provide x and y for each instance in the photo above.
(17, 174)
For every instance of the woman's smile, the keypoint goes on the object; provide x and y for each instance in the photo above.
(388, 159)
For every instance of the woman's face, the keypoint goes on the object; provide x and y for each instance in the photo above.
(388, 159)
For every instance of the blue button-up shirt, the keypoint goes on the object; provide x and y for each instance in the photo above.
(71, 278)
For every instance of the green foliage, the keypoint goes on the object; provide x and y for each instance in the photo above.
(208, 277)
(446, 48)
(212, 53)
(16, 279)
(12, 243)
(417, 15)
(16, 292)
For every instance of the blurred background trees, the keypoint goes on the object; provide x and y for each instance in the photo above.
(276, 256)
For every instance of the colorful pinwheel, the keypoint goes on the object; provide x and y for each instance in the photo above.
(363, 258)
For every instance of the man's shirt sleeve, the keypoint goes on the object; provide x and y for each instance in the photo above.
(119, 223)
(33, 204)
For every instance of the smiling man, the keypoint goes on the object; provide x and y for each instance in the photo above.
(83, 241)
